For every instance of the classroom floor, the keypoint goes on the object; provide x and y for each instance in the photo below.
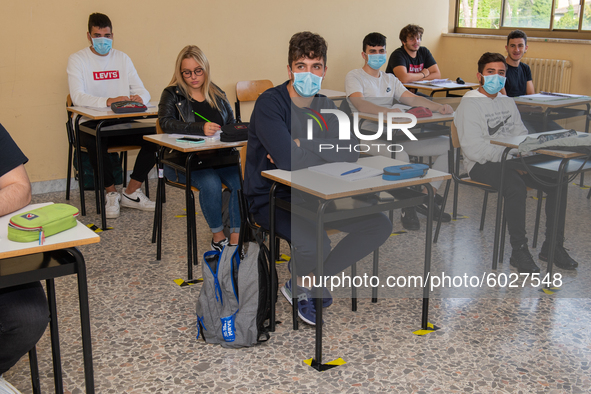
(494, 341)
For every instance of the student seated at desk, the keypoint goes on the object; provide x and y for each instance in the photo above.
(412, 62)
(519, 82)
(371, 90)
(23, 309)
(193, 104)
(483, 115)
(99, 76)
(277, 138)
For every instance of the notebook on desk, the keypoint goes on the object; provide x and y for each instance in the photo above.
(346, 171)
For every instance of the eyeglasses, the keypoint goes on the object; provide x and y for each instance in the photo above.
(187, 73)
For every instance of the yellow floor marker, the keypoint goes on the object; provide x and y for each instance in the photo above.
(397, 233)
(182, 283)
(283, 258)
(96, 228)
(430, 329)
(550, 290)
(584, 187)
(324, 367)
(460, 217)
(536, 198)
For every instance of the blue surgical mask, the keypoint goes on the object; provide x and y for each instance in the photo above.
(102, 45)
(306, 84)
(493, 83)
(376, 61)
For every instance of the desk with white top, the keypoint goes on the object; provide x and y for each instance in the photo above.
(27, 262)
(555, 104)
(451, 86)
(329, 189)
(106, 117)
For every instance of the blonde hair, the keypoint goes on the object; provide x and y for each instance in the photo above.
(209, 89)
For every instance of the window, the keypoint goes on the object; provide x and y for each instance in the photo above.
(538, 18)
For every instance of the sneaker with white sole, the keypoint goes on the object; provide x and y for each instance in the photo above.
(306, 307)
(112, 209)
(7, 388)
(137, 200)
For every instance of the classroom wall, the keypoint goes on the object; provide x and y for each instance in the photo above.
(243, 40)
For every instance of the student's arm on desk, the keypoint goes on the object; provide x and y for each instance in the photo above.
(529, 88)
(15, 190)
(426, 74)
(416, 101)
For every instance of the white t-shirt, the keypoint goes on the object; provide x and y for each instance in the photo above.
(93, 79)
(480, 119)
(379, 91)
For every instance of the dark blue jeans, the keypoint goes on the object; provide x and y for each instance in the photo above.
(209, 182)
(23, 317)
(364, 235)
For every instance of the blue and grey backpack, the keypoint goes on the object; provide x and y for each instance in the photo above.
(235, 300)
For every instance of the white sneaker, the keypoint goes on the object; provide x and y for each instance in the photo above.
(7, 388)
(112, 205)
(137, 200)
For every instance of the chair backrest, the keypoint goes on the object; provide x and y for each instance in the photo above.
(158, 128)
(455, 140)
(250, 91)
(69, 128)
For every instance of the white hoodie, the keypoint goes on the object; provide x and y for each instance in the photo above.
(480, 119)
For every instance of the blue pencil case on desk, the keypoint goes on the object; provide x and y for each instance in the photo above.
(405, 171)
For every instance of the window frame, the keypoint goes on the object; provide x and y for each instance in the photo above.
(551, 32)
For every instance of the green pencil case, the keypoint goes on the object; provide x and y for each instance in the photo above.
(41, 222)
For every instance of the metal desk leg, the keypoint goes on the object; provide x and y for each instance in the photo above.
(34, 366)
(192, 258)
(317, 362)
(273, 254)
(79, 159)
(84, 320)
(101, 171)
(55, 339)
(551, 252)
(376, 263)
(427, 270)
(498, 223)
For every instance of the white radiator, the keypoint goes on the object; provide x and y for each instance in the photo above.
(550, 75)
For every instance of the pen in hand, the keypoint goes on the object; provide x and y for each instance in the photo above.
(351, 171)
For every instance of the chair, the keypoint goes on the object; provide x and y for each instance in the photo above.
(122, 150)
(249, 91)
(455, 159)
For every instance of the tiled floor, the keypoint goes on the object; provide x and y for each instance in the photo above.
(494, 340)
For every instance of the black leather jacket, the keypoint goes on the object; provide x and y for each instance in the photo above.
(176, 115)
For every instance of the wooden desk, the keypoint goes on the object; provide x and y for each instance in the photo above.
(329, 189)
(558, 170)
(451, 86)
(554, 104)
(167, 141)
(26, 262)
(105, 117)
